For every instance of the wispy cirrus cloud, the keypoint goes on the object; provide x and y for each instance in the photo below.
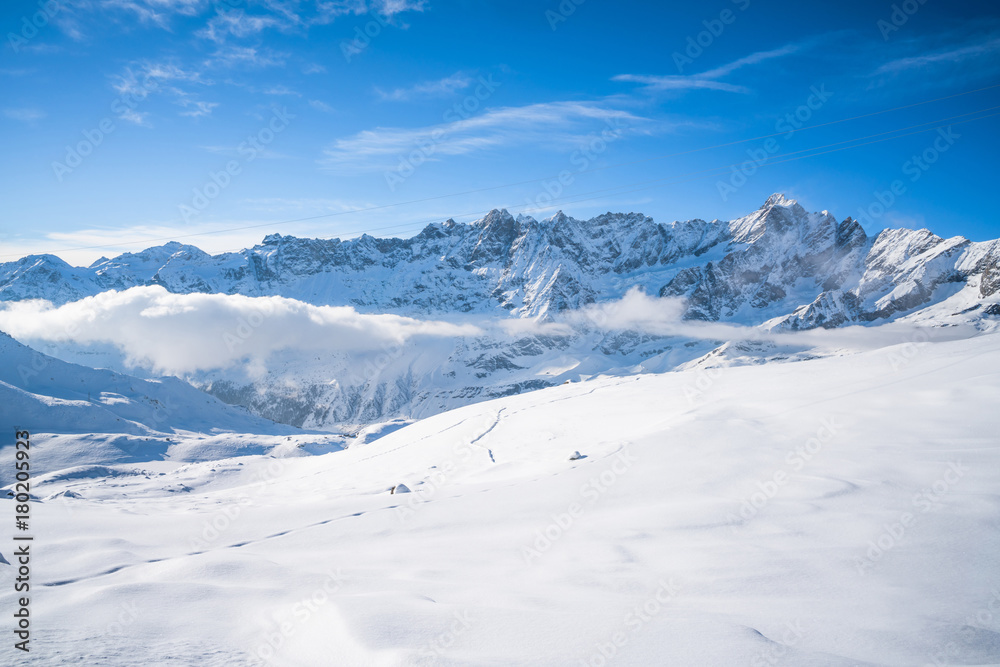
(963, 56)
(281, 89)
(137, 77)
(393, 7)
(678, 82)
(140, 118)
(708, 80)
(320, 105)
(440, 87)
(264, 153)
(305, 205)
(234, 18)
(28, 115)
(158, 12)
(988, 48)
(237, 23)
(246, 57)
(328, 11)
(140, 79)
(552, 123)
(197, 108)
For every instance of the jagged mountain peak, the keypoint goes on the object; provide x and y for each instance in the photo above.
(916, 240)
(850, 233)
(497, 216)
(777, 215)
(557, 218)
(43, 259)
(779, 199)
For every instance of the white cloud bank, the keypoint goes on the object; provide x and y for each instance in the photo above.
(664, 316)
(183, 333)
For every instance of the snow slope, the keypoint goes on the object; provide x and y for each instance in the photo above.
(838, 511)
(87, 416)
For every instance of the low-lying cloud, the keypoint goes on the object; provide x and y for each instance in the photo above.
(636, 311)
(184, 333)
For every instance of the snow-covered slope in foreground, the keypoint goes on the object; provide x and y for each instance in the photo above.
(840, 511)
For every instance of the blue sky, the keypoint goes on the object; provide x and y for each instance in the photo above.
(125, 122)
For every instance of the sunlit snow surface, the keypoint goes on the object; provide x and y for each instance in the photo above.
(839, 511)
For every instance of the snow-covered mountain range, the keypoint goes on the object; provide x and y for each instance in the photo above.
(778, 260)
(780, 268)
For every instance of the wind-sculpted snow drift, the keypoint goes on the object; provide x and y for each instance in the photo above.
(492, 308)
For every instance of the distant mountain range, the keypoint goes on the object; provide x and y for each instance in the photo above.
(780, 268)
